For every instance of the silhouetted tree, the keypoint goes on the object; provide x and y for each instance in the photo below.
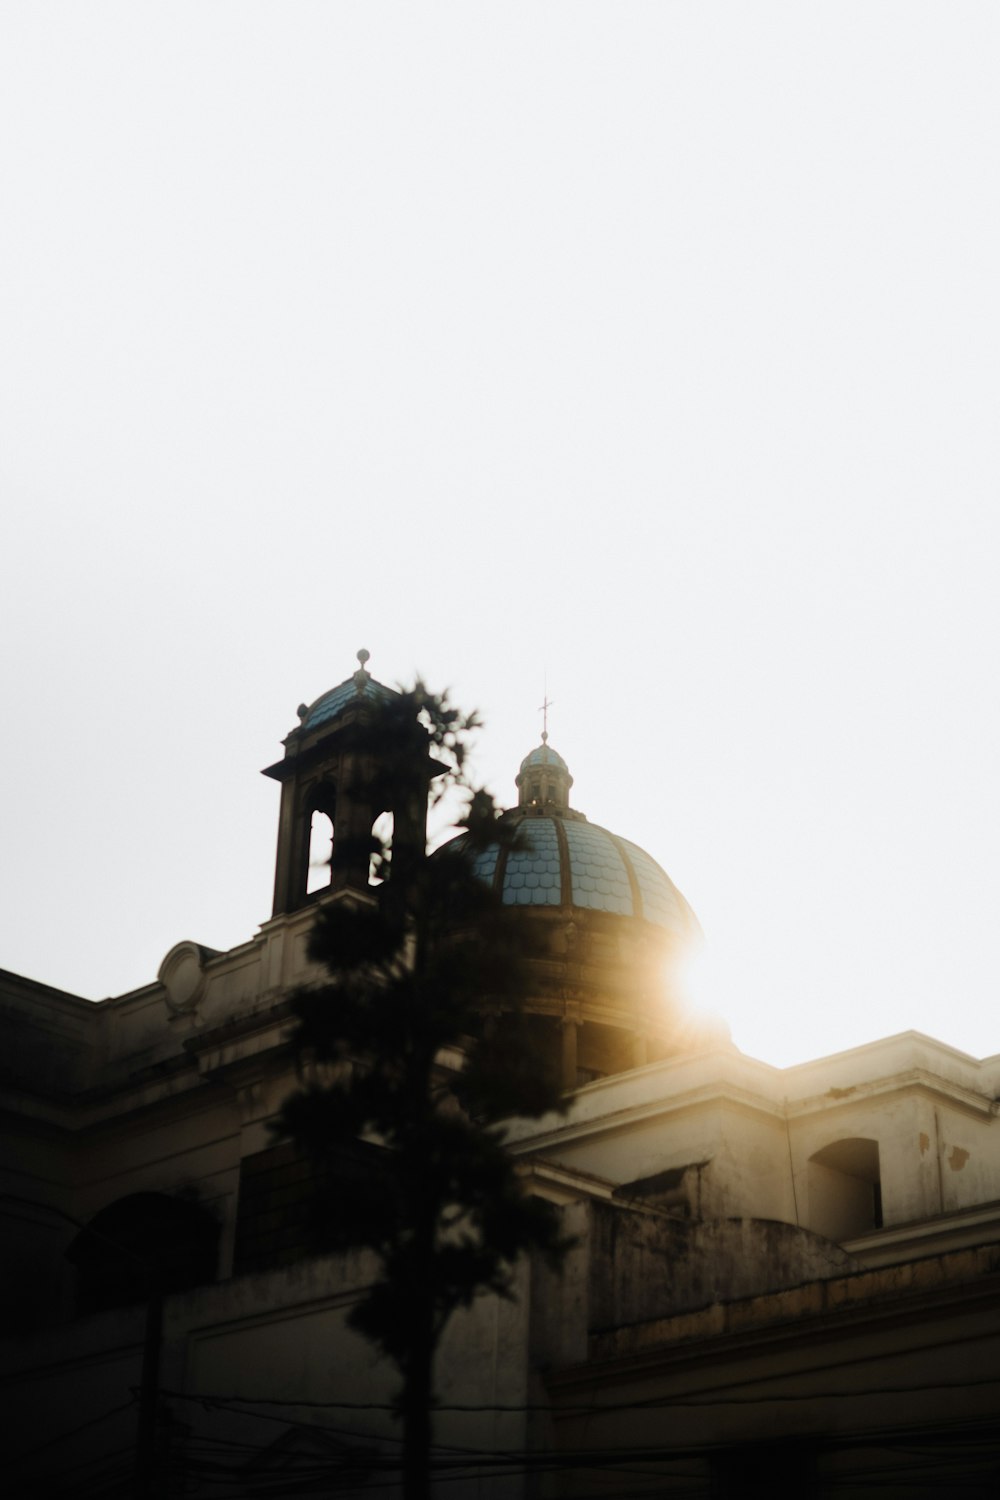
(411, 1055)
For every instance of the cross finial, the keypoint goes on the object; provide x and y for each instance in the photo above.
(544, 711)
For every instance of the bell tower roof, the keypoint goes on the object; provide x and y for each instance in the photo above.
(360, 687)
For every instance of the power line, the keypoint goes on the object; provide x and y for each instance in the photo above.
(63, 1436)
(461, 1465)
(591, 1408)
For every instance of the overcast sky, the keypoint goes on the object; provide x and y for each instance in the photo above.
(646, 351)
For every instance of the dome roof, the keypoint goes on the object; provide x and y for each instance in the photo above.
(566, 861)
(361, 687)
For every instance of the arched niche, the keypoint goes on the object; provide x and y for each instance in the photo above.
(140, 1245)
(845, 1188)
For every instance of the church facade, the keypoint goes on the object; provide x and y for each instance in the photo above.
(783, 1281)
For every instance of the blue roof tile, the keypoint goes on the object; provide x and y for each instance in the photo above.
(600, 880)
(330, 704)
(599, 876)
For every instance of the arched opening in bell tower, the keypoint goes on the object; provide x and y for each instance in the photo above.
(320, 870)
(382, 830)
(319, 817)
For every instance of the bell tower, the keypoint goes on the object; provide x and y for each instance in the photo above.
(358, 754)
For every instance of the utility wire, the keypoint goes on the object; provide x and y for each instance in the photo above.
(591, 1408)
(63, 1436)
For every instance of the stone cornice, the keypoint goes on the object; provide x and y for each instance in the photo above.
(916, 1079)
(686, 1083)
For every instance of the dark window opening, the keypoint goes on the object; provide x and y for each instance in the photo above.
(291, 1206)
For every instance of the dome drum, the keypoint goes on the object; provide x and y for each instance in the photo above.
(584, 962)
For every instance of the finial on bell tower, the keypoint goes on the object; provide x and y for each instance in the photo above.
(361, 677)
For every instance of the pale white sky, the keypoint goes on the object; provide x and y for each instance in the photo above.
(652, 347)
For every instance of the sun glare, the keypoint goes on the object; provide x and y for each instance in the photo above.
(724, 990)
(699, 982)
(706, 990)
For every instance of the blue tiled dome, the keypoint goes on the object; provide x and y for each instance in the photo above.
(566, 861)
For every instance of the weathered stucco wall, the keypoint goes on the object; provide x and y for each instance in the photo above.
(232, 1349)
(644, 1266)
